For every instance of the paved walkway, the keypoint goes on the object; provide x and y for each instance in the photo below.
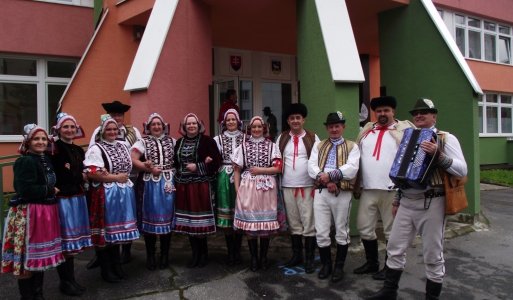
(478, 263)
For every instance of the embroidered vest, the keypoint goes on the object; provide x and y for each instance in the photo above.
(308, 140)
(343, 151)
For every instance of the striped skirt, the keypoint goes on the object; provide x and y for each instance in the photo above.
(194, 214)
(75, 229)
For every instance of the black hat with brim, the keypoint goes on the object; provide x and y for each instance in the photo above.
(424, 104)
(115, 107)
(335, 118)
(296, 108)
(383, 101)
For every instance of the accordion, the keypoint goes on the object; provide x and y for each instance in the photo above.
(412, 166)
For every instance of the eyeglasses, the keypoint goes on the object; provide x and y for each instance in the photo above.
(419, 112)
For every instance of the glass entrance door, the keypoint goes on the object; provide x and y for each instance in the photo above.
(244, 90)
(276, 98)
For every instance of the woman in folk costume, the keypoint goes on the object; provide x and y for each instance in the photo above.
(197, 161)
(153, 155)
(67, 160)
(230, 138)
(256, 162)
(32, 237)
(112, 209)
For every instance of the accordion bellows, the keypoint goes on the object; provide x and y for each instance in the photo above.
(412, 166)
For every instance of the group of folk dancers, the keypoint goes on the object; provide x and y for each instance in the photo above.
(177, 178)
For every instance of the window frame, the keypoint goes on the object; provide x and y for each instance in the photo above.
(41, 80)
(450, 19)
(483, 105)
(84, 3)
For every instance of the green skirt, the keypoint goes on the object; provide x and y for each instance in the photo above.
(225, 200)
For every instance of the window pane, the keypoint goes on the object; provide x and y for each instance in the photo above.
(18, 106)
(506, 120)
(491, 120)
(480, 109)
(54, 96)
(489, 47)
(506, 99)
(492, 98)
(460, 39)
(504, 50)
(460, 20)
(14, 66)
(504, 29)
(474, 22)
(246, 99)
(474, 44)
(61, 69)
(489, 26)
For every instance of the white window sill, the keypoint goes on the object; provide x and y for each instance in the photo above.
(11, 138)
(495, 135)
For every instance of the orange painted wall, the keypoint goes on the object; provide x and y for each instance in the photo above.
(263, 25)
(103, 73)
(492, 77)
(491, 9)
(41, 28)
(184, 71)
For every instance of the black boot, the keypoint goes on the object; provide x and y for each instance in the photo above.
(203, 252)
(297, 251)
(229, 237)
(340, 259)
(94, 262)
(325, 271)
(126, 254)
(26, 288)
(390, 286)
(310, 244)
(71, 270)
(106, 266)
(253, 250)
(381, 274)
(193, 263)
(116, 261)
(433, 290)
(237, 243)
(66, 285)
(37, 285)
(371, 254)
(165, 243)
(149, 241)
(264, 247)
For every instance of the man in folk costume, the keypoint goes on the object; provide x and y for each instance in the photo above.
(333, 164)
(127, 134)
(422, 211)
(295, 146)
(378, 144)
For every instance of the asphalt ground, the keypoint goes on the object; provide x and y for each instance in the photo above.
(479, 265)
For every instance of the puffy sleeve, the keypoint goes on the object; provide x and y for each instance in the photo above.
(93, 141)
(350, 168)
(452, 149)
(238, 156)
(217, 139)
(276, 152)
(93, 159)
(313, 161)
(137, 133)
(139, 147)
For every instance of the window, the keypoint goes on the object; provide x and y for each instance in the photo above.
(480, 39)
(30, 90)
(495, 115)
(87, 3)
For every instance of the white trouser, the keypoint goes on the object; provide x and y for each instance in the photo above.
(372, 205)
(326, 207)
(299, 207)
(429, 223)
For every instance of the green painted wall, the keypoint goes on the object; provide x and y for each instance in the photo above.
(495, 150)
(416, 62)
(318, 91)
(98, 6)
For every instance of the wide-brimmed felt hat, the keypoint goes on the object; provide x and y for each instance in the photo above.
(296, 108)
(383, 101)
(424, 104)
(115, 107)
(334, 118)
(267, 108)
